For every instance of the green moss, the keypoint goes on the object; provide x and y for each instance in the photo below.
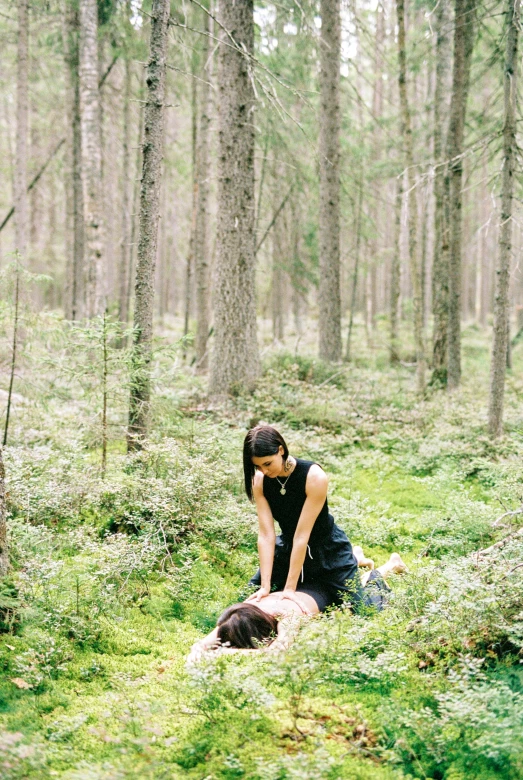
(114, 579)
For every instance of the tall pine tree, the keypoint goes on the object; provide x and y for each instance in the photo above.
(235, 361)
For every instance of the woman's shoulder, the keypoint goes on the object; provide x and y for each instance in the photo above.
(310, 466)
(257, 483)
(316, 477)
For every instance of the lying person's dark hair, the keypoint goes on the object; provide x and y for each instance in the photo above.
(246, 626)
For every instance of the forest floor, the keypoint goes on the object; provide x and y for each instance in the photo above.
(116, 574)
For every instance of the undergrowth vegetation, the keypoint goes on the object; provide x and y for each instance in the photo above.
(116, 571)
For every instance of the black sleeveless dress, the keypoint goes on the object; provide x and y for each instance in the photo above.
(330, 570)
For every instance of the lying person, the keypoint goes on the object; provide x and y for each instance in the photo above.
(268, 622)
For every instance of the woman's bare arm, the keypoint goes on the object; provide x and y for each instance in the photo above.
(202, 645)
(266, 538)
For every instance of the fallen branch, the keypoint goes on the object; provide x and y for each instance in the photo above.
(500, 544)
(518, 511)
(333, 376)
(510, 572)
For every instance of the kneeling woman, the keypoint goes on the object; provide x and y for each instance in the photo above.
(312, 552)
(270, 622)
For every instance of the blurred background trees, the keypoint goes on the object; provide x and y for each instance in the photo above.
(366, 155)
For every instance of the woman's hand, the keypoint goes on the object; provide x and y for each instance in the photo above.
(260, 594)
(197, 651)
(200, 647)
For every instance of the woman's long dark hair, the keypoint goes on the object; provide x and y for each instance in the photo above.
(259, 442)
(245, 625)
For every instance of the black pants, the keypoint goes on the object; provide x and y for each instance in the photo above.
(333, 587)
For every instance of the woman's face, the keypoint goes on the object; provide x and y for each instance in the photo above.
(270, 465)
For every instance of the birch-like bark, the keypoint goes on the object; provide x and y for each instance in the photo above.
(501, 303)
(123, 281)
(74, 192)
(91, 158)
(149, 217)
(235, 361)
(22, 112)
(440, 259)
(330, 346)
(4, 553)
(415, 275)
(201, 231)
(463, 44)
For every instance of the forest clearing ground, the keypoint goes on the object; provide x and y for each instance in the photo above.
(114, 579)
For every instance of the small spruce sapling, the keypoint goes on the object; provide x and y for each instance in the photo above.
(12, 279)
(94, 362)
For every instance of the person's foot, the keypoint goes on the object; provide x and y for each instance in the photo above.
(367, 563)
(397, 565)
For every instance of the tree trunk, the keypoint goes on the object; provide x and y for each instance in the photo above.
(36, 196)
(367, 290)
(235, 361)
(480, 313)
(14, 347)
(395, 275)
(22, 110)
(149, 217)
(485, 255)
(329, 287)
(463, 43)
(259, 199)
(297, 284)
(376, 185)
(4, 556)
(74, 193)
(123, 281)
(501, 305)
(201, 233)
(425, 197)
(357, 230)
(162, 282)
(412, 201)
(136, 200)
(91, 157)
(189, 268)
(278, 256)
